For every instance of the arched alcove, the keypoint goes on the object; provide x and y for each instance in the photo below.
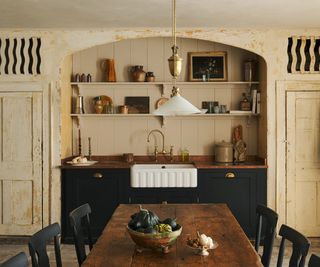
(118, 135)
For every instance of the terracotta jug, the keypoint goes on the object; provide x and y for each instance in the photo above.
(108, 64)
(138, 74)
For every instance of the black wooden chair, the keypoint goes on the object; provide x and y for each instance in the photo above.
(80, 221)
(314, 261)
(267, 218)
(300, 246)
(38, 246)
(19, 260)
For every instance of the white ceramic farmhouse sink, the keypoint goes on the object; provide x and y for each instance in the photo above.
(163, 175)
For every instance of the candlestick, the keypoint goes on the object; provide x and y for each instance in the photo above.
(89, 149)
(79, 137)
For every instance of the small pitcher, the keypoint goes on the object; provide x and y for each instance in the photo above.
(138, 74)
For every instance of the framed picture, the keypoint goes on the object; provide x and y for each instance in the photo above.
(137, 104)
(207, 66)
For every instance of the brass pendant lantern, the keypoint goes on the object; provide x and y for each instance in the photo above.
(176, 105)
(175, 61)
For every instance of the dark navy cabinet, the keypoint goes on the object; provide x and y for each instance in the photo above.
(240, 189)
(104, 189)
(160, 195)
(101, 188)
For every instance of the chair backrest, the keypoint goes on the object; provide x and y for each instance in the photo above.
(314, 261)
(38, 246)
(269, 218)
(79, 218)
(300, 246)
(19, 260)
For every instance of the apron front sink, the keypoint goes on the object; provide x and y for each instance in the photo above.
(163, 175)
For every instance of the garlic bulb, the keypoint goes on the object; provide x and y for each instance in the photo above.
(203, 240)
(210, 243)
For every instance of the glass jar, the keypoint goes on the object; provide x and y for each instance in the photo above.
(185, 155)
(150, 76)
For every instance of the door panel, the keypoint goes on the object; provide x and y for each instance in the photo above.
(20, 163)
(303, 162)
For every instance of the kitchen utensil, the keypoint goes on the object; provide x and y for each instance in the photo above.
(224, 152)
(79, 108)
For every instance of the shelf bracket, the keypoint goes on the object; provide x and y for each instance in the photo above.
(76, 120)
(166, 89)
(249, 121)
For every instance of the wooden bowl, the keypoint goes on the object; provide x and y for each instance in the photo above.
(155, 241)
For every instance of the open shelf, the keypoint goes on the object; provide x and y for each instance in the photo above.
(151, 115)
(161, 83)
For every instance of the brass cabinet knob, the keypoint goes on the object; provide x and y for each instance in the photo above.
(230, 175)
(97, 175)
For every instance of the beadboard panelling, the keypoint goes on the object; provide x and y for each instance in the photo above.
(153, 53)
(117, 135)
(114, 135)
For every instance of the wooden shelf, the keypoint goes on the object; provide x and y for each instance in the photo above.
(151, 115)
(161, 83)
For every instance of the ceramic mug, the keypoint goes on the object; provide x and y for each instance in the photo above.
(216, 109)
(223, 108)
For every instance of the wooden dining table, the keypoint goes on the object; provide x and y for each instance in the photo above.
(116, 248)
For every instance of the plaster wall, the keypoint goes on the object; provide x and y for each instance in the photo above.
(271, 44)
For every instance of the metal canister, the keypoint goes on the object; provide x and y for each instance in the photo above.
(250, 69)
(224, 152)
(79, 107)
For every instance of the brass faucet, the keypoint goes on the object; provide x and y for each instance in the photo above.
(163, 151)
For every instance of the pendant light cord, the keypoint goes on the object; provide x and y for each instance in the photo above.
(174, 23)
(174, 39)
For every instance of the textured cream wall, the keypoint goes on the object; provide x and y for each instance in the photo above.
(66, 94)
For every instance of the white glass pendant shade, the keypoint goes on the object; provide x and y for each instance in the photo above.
(176, 105)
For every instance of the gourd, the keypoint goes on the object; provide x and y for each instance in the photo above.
(143, 219)
(163, 228)
(171, 222)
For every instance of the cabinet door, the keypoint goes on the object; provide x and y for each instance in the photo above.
(20, 163)
(99, 188)
(160, 195)
(241, 193)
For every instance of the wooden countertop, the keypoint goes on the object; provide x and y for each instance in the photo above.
(115, 247)
(200, 162)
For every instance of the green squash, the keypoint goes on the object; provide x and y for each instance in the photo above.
(143, 219)
(171, 222)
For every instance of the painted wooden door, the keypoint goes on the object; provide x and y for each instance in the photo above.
(303, 162)
(20, 163)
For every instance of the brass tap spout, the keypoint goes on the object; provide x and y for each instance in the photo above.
(157, 131)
